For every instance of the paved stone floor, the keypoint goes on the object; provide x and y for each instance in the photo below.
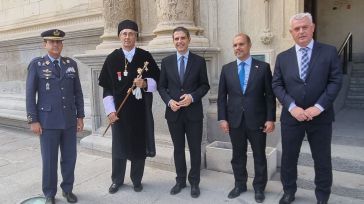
(20, 178)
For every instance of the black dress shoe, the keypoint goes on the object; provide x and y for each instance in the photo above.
(236, 192)
(71, 198)
(177, 188)
(259, 196)
(321, 202)
(286, 199)
(195, 191)
(114, 188)
(50, 200)
(138, 187)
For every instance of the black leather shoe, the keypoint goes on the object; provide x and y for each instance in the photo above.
(138, 187)
(114, 188)
(71, 198)
(177, 188)
(50, 200)
(195, 191)
(321, 202)
(236, 192)
(259, 196)
(286, 199)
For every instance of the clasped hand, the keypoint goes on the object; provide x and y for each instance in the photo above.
(305, 115)
(185, 101)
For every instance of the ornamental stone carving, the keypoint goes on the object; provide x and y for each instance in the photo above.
(115, 11)
(173, 13)
(267, 36)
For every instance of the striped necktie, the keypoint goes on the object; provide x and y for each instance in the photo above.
(304, 62)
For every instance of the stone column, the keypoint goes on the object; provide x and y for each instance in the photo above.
(173, 13)
(115, 11)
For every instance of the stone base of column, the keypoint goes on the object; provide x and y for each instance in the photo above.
(164, 38)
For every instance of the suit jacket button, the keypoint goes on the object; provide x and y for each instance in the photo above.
(41, 108)
(182, 90)
(64, 106)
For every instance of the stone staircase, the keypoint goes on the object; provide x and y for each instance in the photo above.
(355, 97)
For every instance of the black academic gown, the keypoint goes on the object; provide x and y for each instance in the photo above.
(133, 133)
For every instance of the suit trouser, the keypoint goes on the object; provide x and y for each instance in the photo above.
(319, 138)
(193, 132)
(239, 140)
(119, 167)
(50, 141)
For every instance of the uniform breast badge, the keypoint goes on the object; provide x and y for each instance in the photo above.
(47, 86)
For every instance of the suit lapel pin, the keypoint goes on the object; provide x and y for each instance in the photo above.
(256, 66)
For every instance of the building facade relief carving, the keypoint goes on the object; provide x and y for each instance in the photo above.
(267, 35)
(115, 11)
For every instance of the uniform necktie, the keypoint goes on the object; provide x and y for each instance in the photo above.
(58, 68)
(304, 62)
(181, 68)
(242, 75)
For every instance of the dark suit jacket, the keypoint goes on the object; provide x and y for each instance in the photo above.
(322, 84)
(257, 103)
(195, 83)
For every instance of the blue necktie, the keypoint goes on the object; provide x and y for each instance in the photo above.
(181, 68)
(242, 75)
(304, 63)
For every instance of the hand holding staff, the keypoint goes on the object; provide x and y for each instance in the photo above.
(130, 90)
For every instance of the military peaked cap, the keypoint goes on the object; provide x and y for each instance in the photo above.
(53, 34)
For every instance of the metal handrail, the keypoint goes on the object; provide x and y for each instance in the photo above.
(346, 47)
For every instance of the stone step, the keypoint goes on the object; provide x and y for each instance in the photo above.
(344, 184)
(345, 158)
(354, 105)
(356, 97)
(348, 170)
(356, 89)
(357, 80)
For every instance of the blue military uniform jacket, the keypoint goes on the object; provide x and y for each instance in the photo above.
(55, 102)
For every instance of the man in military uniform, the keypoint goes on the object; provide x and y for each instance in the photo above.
(55, 111)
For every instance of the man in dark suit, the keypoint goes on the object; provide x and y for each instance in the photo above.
(306, 81)
(246, 110)
(55, 111)
(183, 82)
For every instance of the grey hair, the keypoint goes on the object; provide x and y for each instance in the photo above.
(300, 16)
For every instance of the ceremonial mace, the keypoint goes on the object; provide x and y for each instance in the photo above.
(140, 73)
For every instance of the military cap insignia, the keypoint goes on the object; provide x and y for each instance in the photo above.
(53, 34)
(56, 33)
